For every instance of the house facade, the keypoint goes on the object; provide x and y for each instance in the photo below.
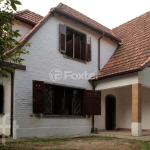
(74, 79)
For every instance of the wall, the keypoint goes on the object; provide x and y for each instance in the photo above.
(23, 27)
(45, 56)
(6, 82)
(123, 107)
(144, 79)
(145, 108)
(117, 81)
(107, 48)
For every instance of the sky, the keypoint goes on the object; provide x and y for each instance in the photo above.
(110, 13)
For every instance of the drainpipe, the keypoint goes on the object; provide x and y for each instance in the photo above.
(99, 50)
(92, 130)
(12, 104)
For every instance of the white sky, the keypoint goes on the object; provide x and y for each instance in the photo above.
(110, 13)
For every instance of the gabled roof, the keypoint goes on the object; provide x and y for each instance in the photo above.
(81, 18)
(28, 17)
(134, 52)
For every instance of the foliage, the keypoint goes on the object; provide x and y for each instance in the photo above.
(8, 37)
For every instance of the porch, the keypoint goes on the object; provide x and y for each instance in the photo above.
(125, 110)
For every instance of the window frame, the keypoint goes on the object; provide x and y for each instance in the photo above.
(86, 46)
(87, 100)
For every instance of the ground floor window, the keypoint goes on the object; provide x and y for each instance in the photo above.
(60, 100)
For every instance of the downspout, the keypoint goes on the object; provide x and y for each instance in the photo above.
(12, 104)
(99, 50)
(93, 86)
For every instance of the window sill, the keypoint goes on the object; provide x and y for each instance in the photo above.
(75, 59)
(57, 116)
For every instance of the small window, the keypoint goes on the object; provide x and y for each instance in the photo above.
(59, 100)
(74, 44)
(1, 99)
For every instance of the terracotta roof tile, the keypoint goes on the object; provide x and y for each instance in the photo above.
(135, 50)
(83, 18)
(28, 16)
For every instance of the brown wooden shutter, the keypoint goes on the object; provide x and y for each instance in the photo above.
(38, 97)
(1, 99)
(91, 103)
(88, 49)
(62, 38)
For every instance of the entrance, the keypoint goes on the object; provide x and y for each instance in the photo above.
(110, 107)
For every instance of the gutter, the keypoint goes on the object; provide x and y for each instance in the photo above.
(99, 50)
(56, 10)
(12, 104)
(92, 130)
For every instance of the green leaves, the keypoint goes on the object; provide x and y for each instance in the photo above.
(14, 3)
(8, 38)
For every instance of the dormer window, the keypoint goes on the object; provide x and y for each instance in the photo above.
(74, 44)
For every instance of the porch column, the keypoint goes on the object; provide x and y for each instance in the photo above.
(136, 109)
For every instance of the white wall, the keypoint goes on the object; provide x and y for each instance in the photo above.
(107, 48)
(45, 56)
(117, 81)
(5, 124)
(123, 107)
(23, 27)
(144, 77)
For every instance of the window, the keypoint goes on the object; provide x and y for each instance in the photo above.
(74, 44)
(58, 100)
(1, 99)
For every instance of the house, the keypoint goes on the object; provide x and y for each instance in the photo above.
(79, 75)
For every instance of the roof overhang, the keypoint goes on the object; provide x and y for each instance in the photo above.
(56, 10)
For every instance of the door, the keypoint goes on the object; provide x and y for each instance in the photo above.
(110, 112)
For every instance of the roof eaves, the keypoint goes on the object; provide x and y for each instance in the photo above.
(24, 20)
(56, 10)
(96, 78)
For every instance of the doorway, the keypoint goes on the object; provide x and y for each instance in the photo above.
(110, 108)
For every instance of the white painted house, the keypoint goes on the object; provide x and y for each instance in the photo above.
(53, 94)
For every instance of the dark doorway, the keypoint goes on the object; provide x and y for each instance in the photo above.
(110, 112)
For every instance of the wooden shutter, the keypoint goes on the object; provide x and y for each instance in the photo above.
(91, 103)
(38, 97)
(88, 49)
(62, 38)
(1, 99)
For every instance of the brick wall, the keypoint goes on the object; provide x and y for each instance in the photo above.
(136, 102)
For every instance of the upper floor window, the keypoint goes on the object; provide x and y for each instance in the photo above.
(74, 44)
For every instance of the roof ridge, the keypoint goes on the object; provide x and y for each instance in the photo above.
(61, 4)
(130, 20)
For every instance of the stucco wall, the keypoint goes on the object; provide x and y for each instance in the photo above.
(107, 48)
(117, 81)
(5, 118)
(123, 107)
(23, 27)
(145, 108)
